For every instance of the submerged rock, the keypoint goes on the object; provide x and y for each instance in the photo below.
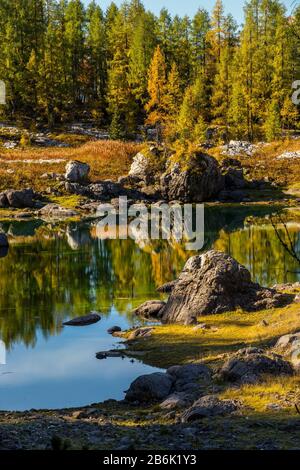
(150, 309)
(208, 407)
(216, 283)
(84, 320)
(77, 172)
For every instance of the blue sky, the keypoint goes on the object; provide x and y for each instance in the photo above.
(189, 7)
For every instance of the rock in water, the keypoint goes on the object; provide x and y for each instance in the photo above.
(85, 320)
(3, 240)
(216, 283)
(198, 181)
(114, 329)
(77, 172)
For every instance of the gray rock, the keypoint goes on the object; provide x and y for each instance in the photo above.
(151, 387)
(150, 309)
(250, 368)
(234, 178)
(3, 240)
(167, 288)
(190, 373)
(175, 401)
(114, 329)
(200, 180)
(140, 333)
(286, 341)
(141, 168)
(215, 283)
(84, 320)
(77, 172)
(209, 407)
(20, 198)
(56, 211)
(3, 200)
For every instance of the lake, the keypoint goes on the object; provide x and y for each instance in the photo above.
(56, 271)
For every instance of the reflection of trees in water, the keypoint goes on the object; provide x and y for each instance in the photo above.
(56, 270)
(285, 238)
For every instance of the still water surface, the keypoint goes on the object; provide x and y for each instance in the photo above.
(55, 271)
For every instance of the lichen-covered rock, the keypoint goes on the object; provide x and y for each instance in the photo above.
(150, 387)
(150, 309)
(249, 368)
(208, 407)
(77, 172)
(215, 283)
(198, 181)
(147, 165)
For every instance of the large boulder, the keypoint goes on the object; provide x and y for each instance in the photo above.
(215, 283)
(20, 198)
(150, 387)
(249, 368)
(147, 165)
(189, 374)
(77, 172)
(210, 406)
(197, 180)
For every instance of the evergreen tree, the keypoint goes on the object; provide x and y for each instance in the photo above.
(157, 89)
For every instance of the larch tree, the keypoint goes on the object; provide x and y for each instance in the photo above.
(155, 107)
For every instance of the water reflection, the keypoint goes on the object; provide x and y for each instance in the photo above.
(53, 271)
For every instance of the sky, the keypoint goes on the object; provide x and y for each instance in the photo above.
(189, 7)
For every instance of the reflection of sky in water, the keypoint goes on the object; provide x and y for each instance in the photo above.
(63, 371)
(49, 275)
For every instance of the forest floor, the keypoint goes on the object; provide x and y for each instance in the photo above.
(267, 420)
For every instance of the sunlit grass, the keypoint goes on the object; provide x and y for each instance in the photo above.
(108, 160)
(177, 344)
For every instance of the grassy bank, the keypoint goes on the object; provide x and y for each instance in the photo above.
(24, 168)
